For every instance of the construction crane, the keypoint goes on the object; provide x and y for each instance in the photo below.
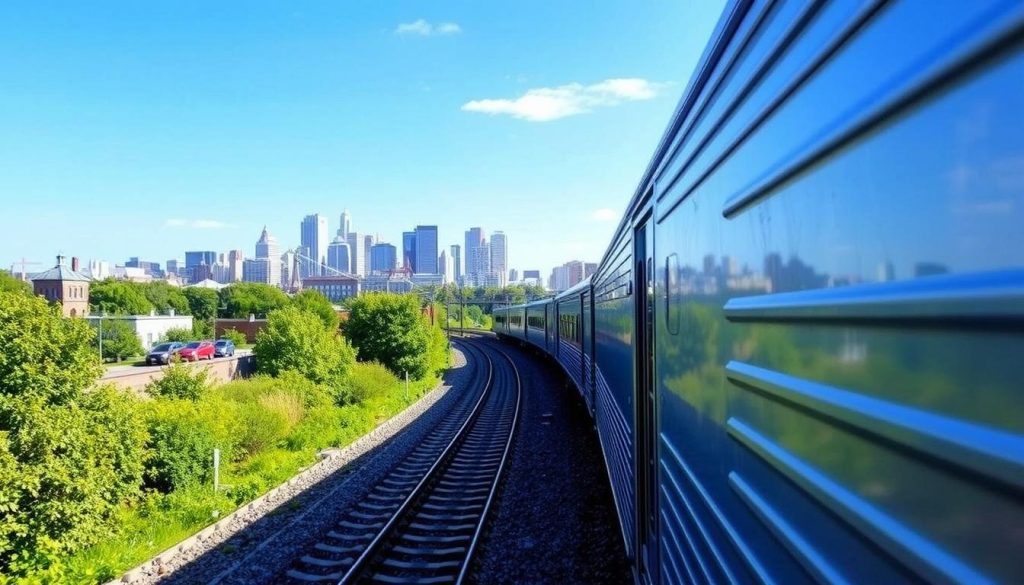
(23, 263)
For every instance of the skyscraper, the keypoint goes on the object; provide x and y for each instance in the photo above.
(426, 249)
(346, 225)
(456, 258)
(474, 237)
(339, 257)
(409, 250)
(368, 242)
(382, 258)
(482, 264)
(197, 264)
(499, 257)
(444, 265)
(266, 249)
(314, 238)
(235, 258)
(357, 265)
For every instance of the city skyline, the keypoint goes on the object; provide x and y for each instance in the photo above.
(266, 128)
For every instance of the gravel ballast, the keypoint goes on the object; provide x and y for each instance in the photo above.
(260, 539)
(554, 521)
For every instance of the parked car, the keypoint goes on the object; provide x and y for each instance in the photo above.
(163, 353)
(197, 350)
(224, 348)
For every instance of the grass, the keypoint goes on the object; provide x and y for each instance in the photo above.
(161, 520)
(132, 361)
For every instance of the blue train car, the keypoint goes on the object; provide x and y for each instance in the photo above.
(802, 342)
(536, 329)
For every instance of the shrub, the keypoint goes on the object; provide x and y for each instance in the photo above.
(178, 334)
(390, 329)
(67, 459)
(260, 428)
(285, 403)
(370, 380)
(119, 340)
(314, 301)
(320, 428)
(236, 336)
(183, 435)
(296, 341)
(310, 394)
(180, 381)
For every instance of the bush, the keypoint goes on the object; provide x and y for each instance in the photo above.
(183, 435)
(390, 329)
(180, 381)
(119, 340)
(236, 336)
(296, 341)
(202, 329)
(260, 427)
(178, 334)
(370, 380)
(310, 394)
(314, 301)
(68, 460)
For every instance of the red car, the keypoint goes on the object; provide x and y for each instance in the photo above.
(196, 350)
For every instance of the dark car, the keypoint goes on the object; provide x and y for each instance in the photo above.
(224, 348)
(163, 353)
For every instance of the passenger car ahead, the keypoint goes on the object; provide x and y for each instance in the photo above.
(197, 350)
(224, 348)
(163, 353)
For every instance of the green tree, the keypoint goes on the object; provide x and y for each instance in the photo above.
(242, 299)
(68, 458)
(117, 297)
(178, 334)
(390, 329)
(180, 381)
(313, 301)
(237, 337)
(119, 340)
(297, 341)
(10, 284)
(165, 297)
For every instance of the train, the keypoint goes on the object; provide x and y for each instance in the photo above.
(801, 348)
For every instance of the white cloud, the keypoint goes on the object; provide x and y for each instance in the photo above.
(544, 104)
(603, 214)
(199, 224)
(425, 29)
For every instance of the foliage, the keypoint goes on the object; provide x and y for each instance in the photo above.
(236, 337)
(181, 442)
(202, 302)
(44, 356)
(117, 297)
(202, 329)
(297, 341)
(315, 302)
(242, 299)
(180, 381)
(261, 427)
(165, 297)
(514, 294)
(310, 394)
(119, 340)
(178, 334)
(10, 284)
(371, 380)
(390, 329)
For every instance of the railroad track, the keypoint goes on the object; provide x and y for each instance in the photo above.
(422, 523)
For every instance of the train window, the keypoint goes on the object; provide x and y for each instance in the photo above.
(672, 294)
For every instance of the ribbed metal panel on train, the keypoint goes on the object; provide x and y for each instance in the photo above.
(837, 304)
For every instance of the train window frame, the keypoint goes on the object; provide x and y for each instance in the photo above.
(672, 308)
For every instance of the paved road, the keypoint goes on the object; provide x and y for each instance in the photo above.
(121, 370)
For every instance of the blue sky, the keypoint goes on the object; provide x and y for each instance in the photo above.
(151, 128)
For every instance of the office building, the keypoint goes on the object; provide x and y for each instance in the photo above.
(288, 266)
(444, 265)
(149, 268)
(314, 238)
(357, 264)
(345, 225)
(266, 249)
(336, 287)
(235, 258)
(409, 251)
(513, 275)
(260, 270)
(383, 258)
(481, 265)
(339, 257)
(198, 265)
(456, 259)
(474, 238)
(426, 250)
(499, 257)
(368, 242)
(171, 266)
